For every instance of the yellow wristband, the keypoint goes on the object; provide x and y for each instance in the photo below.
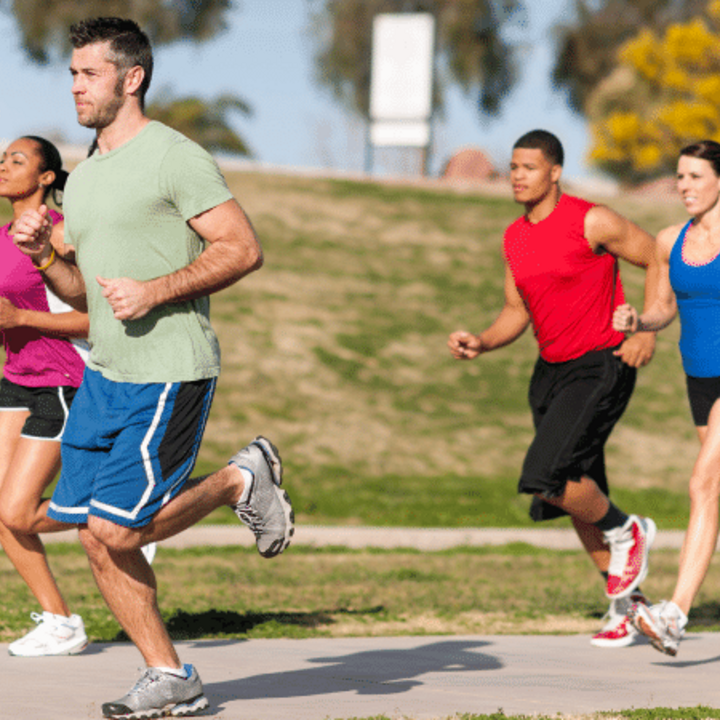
(50, 261)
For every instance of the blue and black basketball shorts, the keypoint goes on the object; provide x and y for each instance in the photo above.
(128, 448)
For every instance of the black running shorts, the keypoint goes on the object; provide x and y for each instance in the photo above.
(48, 407)
(575, 406)
(702, 393)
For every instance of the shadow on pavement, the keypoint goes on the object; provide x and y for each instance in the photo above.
(373, 672)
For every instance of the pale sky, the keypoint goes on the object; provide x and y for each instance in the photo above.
(266, 58)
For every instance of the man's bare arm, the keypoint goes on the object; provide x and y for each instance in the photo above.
(233, 251)
(607, 231)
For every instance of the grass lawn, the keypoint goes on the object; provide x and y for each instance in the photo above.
(336, 592)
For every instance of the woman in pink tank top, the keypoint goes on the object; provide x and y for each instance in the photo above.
(42, 371)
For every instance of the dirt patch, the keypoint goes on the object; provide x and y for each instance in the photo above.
(464, 623)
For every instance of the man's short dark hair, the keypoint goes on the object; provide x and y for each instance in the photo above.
(129, 45)
(543, 140)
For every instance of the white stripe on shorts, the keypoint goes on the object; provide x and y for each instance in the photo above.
(147, 462)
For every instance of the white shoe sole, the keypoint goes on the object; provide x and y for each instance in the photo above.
(606, 643)
(71, 649)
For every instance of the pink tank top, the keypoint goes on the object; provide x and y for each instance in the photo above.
(33, 359)
(569, 291)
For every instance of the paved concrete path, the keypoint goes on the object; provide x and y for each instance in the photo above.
(414, 677)
(383, 537)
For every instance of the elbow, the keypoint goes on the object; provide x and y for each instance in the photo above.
(251, 260)
(258, 259)
(237, 260)
(79, 303)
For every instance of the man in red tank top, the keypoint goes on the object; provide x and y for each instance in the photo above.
(562, 277)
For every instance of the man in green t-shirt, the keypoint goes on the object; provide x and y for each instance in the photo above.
(155, 231)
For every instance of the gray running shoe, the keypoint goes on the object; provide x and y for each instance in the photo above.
(159, 694)
(267, 511)
(663, 623)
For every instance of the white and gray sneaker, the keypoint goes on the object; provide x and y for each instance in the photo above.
(663, 623)
(54, 635)
(267, 511)
(157, 694)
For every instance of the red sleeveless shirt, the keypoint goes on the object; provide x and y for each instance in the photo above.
(569, 291)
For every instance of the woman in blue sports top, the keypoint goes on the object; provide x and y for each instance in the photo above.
(689, 258)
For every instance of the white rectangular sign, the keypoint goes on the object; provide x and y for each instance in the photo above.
(401, 78)
(400, 134)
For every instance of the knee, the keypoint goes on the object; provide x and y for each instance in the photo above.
(16, 519)
(704, 487)
(94, 549)
(111, 536)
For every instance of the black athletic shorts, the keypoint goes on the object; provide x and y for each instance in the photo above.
(575, 406)
(48, 406)
(702, 393)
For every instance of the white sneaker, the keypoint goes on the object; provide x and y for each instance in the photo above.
(54, 635)
(618, 631)
(663, 623)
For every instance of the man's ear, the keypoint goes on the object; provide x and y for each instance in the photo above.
(133, 79)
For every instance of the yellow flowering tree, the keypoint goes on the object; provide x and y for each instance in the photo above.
(663, 95)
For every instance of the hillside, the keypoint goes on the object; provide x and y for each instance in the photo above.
(336, 350)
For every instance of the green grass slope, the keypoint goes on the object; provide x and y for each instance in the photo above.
(336, 351)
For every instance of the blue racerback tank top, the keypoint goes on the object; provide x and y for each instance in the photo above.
(697, 289)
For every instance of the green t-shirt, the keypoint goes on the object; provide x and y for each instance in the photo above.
(126, 213)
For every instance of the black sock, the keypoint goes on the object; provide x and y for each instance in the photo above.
(613, 518)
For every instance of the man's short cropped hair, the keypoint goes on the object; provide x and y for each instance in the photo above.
(129, 45)
(543, 140)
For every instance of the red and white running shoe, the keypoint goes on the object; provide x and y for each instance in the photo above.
(629, 551)
(618, 631)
